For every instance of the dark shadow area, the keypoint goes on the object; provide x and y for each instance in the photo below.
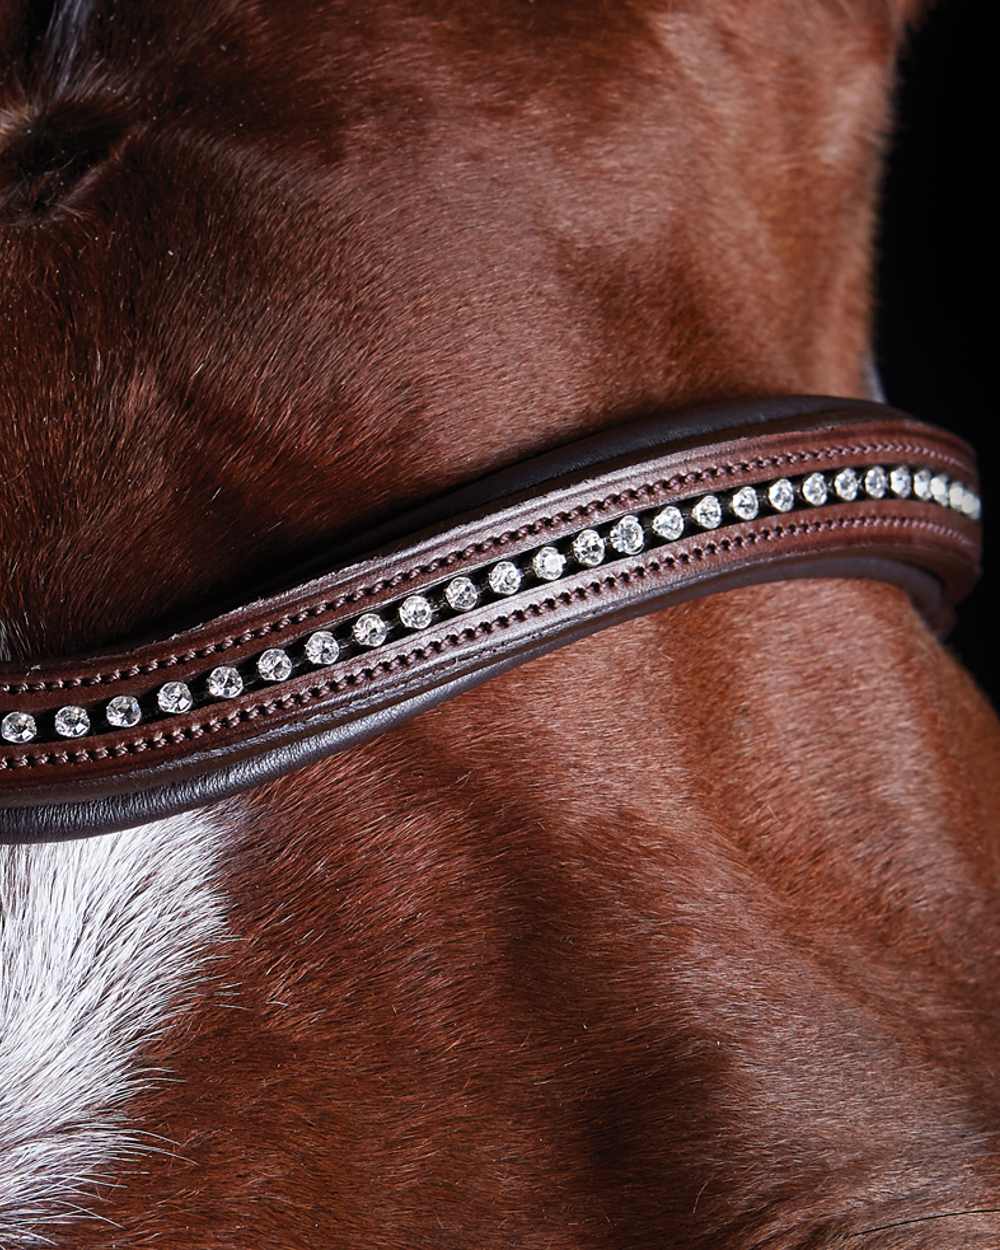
(937, 322)
(47, 159)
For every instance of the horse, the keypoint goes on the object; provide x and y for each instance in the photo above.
(683, 935)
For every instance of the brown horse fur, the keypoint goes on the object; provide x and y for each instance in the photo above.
(683, 938)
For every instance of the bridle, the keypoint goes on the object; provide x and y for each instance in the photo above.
(646, 515)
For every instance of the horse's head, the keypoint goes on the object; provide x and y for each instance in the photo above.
(675, 940)
(266, 274)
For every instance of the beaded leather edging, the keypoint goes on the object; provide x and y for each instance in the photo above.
(907, 487)
(589, 547)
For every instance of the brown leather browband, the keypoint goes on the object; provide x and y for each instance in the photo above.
(663, 510)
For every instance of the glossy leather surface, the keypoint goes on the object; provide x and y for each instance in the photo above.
(114, 780)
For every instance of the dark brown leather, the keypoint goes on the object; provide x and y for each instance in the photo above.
(113, 779)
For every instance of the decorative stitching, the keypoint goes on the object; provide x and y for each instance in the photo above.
(659, 559)
(495, 543)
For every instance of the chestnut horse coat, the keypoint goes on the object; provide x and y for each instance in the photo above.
(684, 937)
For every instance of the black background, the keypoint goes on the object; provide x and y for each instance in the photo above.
(936, 323)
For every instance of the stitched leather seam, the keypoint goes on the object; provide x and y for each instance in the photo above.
(662, 558)
(496, 543)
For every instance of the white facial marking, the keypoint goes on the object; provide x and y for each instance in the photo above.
(101, 943)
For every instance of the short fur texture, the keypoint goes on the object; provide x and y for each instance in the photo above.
(104, 944)
(683, 937)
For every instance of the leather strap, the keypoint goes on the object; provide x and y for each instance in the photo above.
(841, 489)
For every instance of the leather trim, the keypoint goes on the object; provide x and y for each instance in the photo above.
(115, 779)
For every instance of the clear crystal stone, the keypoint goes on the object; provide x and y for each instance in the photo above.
(781, 495)
(876, 482)
(846, 485)
(415, 612)
(901, 481)
(72, 722)
(322, 648)
(956, 496)
(123, 712)
(461, 594)
(548, 563)
(370, 630)
(18, 727)
(939, 488)
(225, 682)
(505, 578)
(175, 697)
(626, 536)
(588, 548)
(274, 664)
(973, 505)
(669, 524)
(922, 483)
(707, 512)
(745, 503)
(814, 490)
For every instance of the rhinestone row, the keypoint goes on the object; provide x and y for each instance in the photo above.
(626, 536)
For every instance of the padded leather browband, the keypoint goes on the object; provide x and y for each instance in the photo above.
(649, 514)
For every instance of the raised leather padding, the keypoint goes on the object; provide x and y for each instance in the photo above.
(931, 553)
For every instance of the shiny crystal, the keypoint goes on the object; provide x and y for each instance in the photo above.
(505, 578)
(72, 722)
(322, 648)
(588, 548)
(956, 496)
(846, 485)
(548, 563)
(939, 488)
(225, 682)
(876, 482)
(922, 483)
(814, 490)
(370, 630)
(901, 481)
(461, 594)
(274, 664)
(973, 505)
(123, 712)
(415, 612)
(745, 503)
(781, 495)
(175, 697)
(707, 512)
(626, 536)
(669, 524)
(18, 727)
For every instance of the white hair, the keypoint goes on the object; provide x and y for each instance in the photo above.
(102, 942)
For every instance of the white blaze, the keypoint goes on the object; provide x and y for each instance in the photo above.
(101, 943)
